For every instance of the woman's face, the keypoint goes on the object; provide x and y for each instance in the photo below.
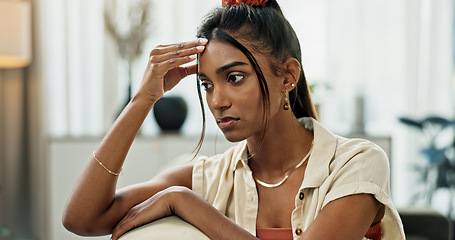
(233, 91)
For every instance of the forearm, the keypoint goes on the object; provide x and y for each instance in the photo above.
(94, 191)
(92, 205)
(206, 218)
(117, 142)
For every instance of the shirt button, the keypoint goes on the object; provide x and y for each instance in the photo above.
(298, 231)
(301, 196)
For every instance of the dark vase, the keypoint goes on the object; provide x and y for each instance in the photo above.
(170, 113)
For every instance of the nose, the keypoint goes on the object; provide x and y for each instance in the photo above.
(219, 99)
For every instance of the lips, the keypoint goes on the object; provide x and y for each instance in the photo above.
(227, 122)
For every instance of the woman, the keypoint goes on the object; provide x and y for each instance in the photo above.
(288, 175)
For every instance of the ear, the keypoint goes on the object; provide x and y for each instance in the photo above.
(292, 74)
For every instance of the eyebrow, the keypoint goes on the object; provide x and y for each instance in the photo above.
(225, 67)
(229, 65)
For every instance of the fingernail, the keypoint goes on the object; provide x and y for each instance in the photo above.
(200, 48)
(203, 40)
(192, 57)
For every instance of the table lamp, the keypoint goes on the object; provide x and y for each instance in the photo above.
(15, 34)
(15, 48)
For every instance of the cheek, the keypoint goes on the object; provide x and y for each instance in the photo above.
(251, 105)
(251, 98)
(208, 101)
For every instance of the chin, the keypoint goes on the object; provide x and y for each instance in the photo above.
(232, 137)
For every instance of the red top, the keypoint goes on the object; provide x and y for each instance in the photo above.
(274, 233)
(374, 233)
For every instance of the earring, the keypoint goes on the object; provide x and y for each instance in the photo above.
(286, 101)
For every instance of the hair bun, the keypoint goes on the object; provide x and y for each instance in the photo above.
(248, 2)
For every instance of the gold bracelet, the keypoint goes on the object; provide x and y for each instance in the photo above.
(105, 168)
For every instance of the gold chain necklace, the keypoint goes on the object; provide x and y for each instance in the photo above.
(272, 185)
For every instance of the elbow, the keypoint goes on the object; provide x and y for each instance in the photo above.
(82, 226)
(71, 224)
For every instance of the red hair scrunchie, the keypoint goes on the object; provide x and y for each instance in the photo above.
(248, 2)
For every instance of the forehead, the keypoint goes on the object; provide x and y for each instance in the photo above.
(219, 53)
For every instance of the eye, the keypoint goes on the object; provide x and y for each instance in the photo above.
(206, 85)
(233, 78)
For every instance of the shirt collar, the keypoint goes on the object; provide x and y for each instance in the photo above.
(241, 155)
(324, 147)
(323, 151)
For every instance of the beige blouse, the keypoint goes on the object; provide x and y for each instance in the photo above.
(337, 167)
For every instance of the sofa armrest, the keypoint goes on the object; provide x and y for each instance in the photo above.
(168, 228)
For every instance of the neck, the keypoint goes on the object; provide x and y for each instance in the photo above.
(285, 144)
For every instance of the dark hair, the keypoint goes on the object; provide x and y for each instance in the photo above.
(269, 33)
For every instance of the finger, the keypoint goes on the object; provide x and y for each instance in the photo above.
(176, 54)
(194, 43)
(119, 228)
(187, 71)
(163, 49)
(136, 216)
(124, 226)
(183, 72)
(191, 69)
(162, 68)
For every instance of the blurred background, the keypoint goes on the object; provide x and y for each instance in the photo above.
(378, 69)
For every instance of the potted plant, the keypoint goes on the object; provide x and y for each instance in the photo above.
(130, 41)
(439, 169)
